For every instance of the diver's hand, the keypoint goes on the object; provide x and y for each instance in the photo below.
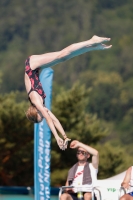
(66, 143)
(60, 143)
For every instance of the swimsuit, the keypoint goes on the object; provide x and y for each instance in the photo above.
(131, 194)
(34, 78)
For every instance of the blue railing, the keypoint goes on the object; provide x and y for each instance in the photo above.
(23, 190)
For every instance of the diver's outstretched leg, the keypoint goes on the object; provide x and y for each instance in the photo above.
(53, 58)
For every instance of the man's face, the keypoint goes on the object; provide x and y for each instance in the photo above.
(82, 154)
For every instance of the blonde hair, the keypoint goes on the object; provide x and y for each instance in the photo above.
(31, 114)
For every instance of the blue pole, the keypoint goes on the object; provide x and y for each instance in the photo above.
(42, 144)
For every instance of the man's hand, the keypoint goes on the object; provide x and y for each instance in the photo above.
(125, 185)
(62, 144)
(74, 144)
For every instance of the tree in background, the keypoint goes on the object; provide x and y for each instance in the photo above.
(70, 107)
(113, 160)
(33, 27)
(16, 138)
(16, 142)
(105, 95)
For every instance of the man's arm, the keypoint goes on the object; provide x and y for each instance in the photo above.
(127, 178)
(68, 190)
(95, 155)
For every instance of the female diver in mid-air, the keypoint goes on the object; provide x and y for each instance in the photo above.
(37, 110)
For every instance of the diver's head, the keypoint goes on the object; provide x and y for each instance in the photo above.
(33, 114)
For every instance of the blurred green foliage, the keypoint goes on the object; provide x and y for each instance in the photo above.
(97, 110)
(16, 142)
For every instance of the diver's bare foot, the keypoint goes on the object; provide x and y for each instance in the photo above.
(96, 40)
(101, 46)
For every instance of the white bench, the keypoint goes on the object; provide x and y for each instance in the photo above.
(100, 193)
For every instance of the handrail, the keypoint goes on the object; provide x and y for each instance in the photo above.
(93, 193)
(100, 196)
(93, 189)
(120, 190)
(63, 188)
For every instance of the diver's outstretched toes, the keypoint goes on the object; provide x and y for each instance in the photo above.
(96, 39)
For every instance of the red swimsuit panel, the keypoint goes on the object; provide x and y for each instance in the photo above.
(34, 78)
